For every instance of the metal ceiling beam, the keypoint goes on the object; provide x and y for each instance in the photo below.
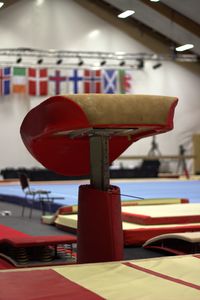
(157, 42)
(8, 3)
(174, 16)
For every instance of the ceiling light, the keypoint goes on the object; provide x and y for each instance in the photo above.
(122, 63)
(156, 66)
(40, 61)
(59, 61)
(18, 60)
(126, 14)
(39, 2)
(1, 4)
(103, 62)
(81, 62)
(140, 64)
(120, 52)
(154, 0)
(94, 33)
(184, 47)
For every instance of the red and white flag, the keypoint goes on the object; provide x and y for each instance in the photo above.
(92, 81)
(37, 82)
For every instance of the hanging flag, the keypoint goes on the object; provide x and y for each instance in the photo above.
(19, 80)
(125, 82)
(57, 83)
(37, 82)
(75, 80)
(92, 81)
(110, 81)
(5, 74)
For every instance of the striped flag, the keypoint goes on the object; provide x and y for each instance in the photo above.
(92, 81)
(38, 82)
(110, 81)
(5, 76)
(19, 80)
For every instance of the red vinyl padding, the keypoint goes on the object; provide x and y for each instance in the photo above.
(70, 156)
(147, 220)
(47, 284)
(140, 236)
(61, 153)
(100, 236)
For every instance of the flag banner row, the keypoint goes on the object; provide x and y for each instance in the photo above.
(49, 81)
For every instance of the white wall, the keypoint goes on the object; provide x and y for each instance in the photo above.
(64, 25)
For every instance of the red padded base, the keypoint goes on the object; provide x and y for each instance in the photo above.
(100, 236)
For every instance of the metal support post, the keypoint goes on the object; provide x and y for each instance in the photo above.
(99, 162)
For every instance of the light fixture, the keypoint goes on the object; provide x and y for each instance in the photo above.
(59, 61)
(103, 62)
(39, 2)
(40, 61)
(154, 0)
(18, 60)
(157, 65)
(126, 14)
(140, 65)
(184, 47)
(81, 62)
(1, 4)
(122, 63)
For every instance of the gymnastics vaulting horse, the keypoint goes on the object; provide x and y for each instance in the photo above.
(83, 134)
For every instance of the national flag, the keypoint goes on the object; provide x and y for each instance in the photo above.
(19, 80)
(92, 81)
(38, 82)
(110, 81)
(75, 80)
(125, 81)
(5, 74)
(57, 82)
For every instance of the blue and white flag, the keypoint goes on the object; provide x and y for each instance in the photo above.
(110, 81)
(75, 81)
(5, 76)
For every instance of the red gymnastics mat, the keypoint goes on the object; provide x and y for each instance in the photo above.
(8, 232)
(133, 234)
(176, 277)
(18, 249)
(167, 214)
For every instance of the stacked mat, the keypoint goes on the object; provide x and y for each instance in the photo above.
(142, 222)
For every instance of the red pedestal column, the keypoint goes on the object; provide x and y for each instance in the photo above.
(100, 235)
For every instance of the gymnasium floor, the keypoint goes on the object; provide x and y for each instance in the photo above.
(157, 188)
(112, 280)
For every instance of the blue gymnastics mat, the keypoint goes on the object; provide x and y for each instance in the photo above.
(189, 189)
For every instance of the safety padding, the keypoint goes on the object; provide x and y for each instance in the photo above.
(100, 235)
(155, 215)
(176, 243)
(57, 131)
(65, 210)
(155, 201)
